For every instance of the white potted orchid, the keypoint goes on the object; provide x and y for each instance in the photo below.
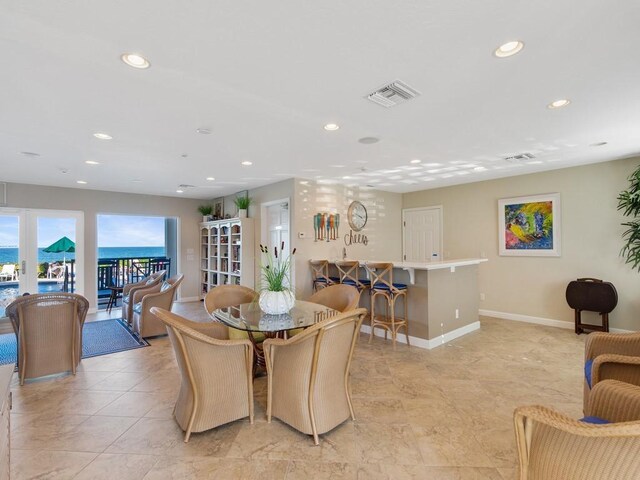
(276, 296)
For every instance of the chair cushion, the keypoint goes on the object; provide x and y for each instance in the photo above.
(235, 334)
(587, 371)
(165, 286)
(594, 420)
(363, 283)
(382, 286)
(335, 279)
(125, 298)
(137, 308)
(321, 280)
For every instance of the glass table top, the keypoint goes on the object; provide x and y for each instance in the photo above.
(248, 316)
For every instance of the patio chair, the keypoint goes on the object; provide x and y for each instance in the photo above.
(604, 445)
(308, 375)
(48, 330)
(217, 377)
(610, 356)
(56, 271)
(145, 323)
(8, 273)
(130, 288)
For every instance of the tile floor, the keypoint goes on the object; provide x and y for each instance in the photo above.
(439, 414)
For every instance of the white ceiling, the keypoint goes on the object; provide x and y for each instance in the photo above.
(266, 76)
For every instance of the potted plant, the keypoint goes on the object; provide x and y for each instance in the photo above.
(205, 211)
(276, 296)
(629, 203)
(242, 204)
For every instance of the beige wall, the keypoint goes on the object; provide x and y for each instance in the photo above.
(383, 228)
(535, 286)
(93, 202)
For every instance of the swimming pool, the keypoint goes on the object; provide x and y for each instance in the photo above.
(9, 291)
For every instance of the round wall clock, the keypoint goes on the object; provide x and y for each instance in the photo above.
(357, 216)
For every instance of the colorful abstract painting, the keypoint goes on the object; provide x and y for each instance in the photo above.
(530, 226)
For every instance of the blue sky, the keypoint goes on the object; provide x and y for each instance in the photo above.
(113, 231)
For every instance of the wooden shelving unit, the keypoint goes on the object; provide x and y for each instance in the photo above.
(226, 253)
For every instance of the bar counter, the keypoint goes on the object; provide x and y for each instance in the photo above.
(443, 299)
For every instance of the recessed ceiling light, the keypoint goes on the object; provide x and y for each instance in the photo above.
(508, 49)
(203, 131)
(346, 177)
(598, 144)
(102, 136)
(432, 164)
(81, 182)
(247, 163)
(415, 160)
(210, 179)
(134, 60)
(368, 140)
(30, 154)
(92, 162)
(304, 182)
(563, 102)
(179, 191)
(331, 127)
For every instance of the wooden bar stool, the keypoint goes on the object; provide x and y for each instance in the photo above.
(382, 285)
(320, 274)
(349, 274)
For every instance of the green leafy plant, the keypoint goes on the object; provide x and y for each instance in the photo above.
(205, 210)
(276, 269)
(629, 203)
(242, 203)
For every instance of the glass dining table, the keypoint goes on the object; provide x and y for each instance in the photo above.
(251, 319)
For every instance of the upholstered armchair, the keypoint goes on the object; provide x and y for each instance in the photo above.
(604, 445)
(611, 356)
(308, 375)
(217, 375)
(130, 288)
(341, 297)
(48, 330)
(145, 323)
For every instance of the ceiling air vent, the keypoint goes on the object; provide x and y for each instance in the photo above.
(393, 94)
(520, 157)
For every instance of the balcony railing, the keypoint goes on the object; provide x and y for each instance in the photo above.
(114, 272)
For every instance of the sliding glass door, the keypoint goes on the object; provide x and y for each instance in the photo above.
(40, 251)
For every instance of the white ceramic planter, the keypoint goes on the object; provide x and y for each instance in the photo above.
(276, 303)
(242, 213)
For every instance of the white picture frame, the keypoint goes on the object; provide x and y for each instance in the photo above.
(530, 226)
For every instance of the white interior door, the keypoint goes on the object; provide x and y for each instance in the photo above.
(422, 234)
(275, 220)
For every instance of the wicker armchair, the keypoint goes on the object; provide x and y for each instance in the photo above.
(48, 330)
(217, 376)
(611, 356)
(308, 375)
(224, 296)
(145, 323)
(552, 446)
(342, 297)
(130, 288)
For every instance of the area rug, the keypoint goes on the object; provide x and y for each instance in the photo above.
(98, 338)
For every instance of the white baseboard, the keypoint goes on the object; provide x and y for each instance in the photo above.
(549, 322)
(423, 342)
(188, 299)
(92, 310)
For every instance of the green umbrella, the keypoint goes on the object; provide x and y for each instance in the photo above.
(62, 245)
(65, 245)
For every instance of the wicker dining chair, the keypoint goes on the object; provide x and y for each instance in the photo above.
(145, 323)
(224, 296)
(217, 374)
(48, 328)
(553, 446)
(308, 375)
(342, 298)
(130, 288)
(611, 356)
